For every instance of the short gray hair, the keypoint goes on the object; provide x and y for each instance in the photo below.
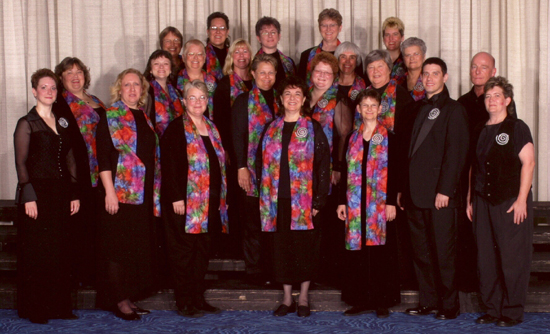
(376, 55)
(195, 84)
(414, 41)
(349, 47)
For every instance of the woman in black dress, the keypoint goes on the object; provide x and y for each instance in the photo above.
(293, 178)
(129, 168)
(367, 203)
(46, 172)
(194, 198)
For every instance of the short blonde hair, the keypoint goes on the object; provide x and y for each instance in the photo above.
(116, 87)
(393, 22)
(239, 43)
(193, 42)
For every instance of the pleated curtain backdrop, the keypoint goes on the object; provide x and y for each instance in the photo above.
(112, 35)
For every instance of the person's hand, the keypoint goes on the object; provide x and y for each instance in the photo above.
(75, 206)
(399, 195)
(520, 211)
(441, 201)
(391, 212)
(314, 212)
(111, 203)
(179, 207)
(245, 181)
(31, 209)
(470, 211)
(335, 177)
(341, 211)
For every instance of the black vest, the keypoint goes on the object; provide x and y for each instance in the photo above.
(503, 166)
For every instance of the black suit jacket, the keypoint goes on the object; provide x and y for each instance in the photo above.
(437, 154)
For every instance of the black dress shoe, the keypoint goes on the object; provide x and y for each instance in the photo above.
(358, 310)
(207, 308)
(421, 310)
(40, 321)
(486, 319)
(126, 316)
(140, 311)
(304, 311)
(190, 311)
(447, 315)
(283, 310)
(382, 313)
(507, 322)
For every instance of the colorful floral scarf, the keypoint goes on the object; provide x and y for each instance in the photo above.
(167, 107)
(387, 116)
(287, 62)
(213, 66)
(198, 177)
(130, 171)
(323, 112)
(312, 53)
(237, 87)
(259, 114)
(211, 85)
(356, 88)
(418, 92)
(377, 178)
(398, 71)
(87, 119)
(300, 163)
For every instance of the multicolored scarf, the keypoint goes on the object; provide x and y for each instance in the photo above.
(418, 92)
(167, 107)
(324, 111)
(237, 87)
(259, 114)
(198, 177)
(213, 66)
(288, 63)
(398, 71)
(312, 53)
(300, 163)
(377, 179)
(387, 116)
(211, 85)
(130, 171)
(356, 88)
(87, 119)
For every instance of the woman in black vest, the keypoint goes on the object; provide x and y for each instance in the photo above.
(500, 204)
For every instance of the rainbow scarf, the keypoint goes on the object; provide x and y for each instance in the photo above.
(377, 179)
(324, 111)
(86, 118)
(287, 62)
(213, 66)
(418, 92)
(312, 53)
(398, 72)
(198, 177)
(259, 115)
(130, 171)
(300, 163)
(237, 87)
(356, 88)
(211, 85)
(167, 106)
(387, 116)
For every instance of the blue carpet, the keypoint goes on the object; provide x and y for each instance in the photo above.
(92, 321)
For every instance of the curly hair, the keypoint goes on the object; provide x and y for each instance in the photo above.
(327, 58)
(42, 73)
(295, 82)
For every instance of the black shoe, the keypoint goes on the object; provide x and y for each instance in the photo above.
(486, 319)
(126, 316)
(207, 308)
(304, 311)
(283, 310)
(40, 321)
(140, 311)
(421, 310)
(190, 311)
(382, 313)
(447, 315)
(507, 322)
(358, 310)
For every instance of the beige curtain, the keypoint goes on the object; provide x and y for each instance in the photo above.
(111, 35)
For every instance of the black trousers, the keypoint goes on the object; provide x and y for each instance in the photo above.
(433, 239)
(504, 256)
(256, 245)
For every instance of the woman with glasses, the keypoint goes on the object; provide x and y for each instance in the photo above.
(217, 43)
(171, 40)
(414, 53)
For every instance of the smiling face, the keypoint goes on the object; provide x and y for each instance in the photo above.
(195, 102)
(130, 90)
(329, 30)
(413, 57)
(496, 102)
(322, 76)
(392, 38)
(195, 57)
(347, 62)
(218, 32)
(433, 79)
(264, 76)
(73, 80)
(369, 109)
(378, 73)
(45, 92)
(241, 57)
(269, 37)
(161, 68)
(172, 44)
(293, 99)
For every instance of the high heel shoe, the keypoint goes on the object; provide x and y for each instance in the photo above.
(139, 311)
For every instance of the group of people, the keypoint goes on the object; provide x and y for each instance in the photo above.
(290, 149)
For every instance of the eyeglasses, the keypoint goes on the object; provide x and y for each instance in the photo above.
(220, 29)
(193, 54)
(265, 74)
(194, 99)
(172, 41)
(369, 106)
(269, 33)
(328, 26)
(323, 74)
(410, 55)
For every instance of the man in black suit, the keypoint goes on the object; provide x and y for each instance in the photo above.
(437, 153)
